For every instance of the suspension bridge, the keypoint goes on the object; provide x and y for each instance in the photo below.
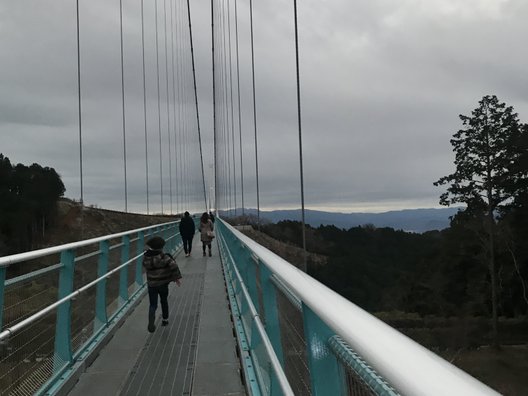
(73, 317)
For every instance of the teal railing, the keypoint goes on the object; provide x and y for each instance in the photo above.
(296, 336)
(57, 304)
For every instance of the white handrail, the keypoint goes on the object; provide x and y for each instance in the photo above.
(409, 367)
(275, 364)
(20, 325)
(8, 332)
(16, 258)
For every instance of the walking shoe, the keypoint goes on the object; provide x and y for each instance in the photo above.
(204, 254)
(164, 322)
(151, 326)
(210, 253)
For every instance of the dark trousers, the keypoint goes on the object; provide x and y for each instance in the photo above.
(163, 292)
(206, 244)
(187, 244)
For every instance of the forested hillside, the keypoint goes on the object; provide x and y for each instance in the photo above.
(435, 273)
(28, 198)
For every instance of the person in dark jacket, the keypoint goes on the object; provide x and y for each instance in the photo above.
(161, 270)
(211, 216)
(187, 233)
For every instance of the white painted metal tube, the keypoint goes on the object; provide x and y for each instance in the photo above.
(409, 367)
(16, 258)
(281, 376)
(8, 332)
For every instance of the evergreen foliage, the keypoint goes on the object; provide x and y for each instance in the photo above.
(28, 197)
(490, 176)
(477, 267)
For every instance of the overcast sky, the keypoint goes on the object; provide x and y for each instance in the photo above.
(383, 83)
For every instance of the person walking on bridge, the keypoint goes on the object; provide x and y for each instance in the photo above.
(161, 270)
(206, 232)
(187, 233)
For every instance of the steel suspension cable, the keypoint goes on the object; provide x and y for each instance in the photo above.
(185, 124)
(300, 134)
(254, 111)
(174, 106)
(226, 112)
(215, 148)
(184, 121)
(239, 111)
(196, 104)
(225, 169)
(185, 131)
(226, 115)
(180, 114)
(79, 114)
(232, 110)
(145, 98)
(168, 103)
(220, 111)
(123, 100)
(159, 106)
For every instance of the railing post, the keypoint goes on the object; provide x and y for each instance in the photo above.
(251, 281)
(139, 262)
(63, 349)
(172, 234)
(100, 299)
(2, 291)
(271, 311)
(325, 371)
(123, 272)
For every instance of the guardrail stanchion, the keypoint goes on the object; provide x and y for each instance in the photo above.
(101, 318)
(271, 311)
(63, 349)
(326, 374)
(2, 291)
(123, 272)
(174, 232)
(139, 261)
(251, 282)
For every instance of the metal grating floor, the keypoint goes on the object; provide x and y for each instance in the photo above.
(166, 363)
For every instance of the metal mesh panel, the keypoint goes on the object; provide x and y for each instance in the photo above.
(132, 266)
(293, 345)
(361, 378)
(26, 358)
(260, 296)
(112, 282)
(355, 385)
(83, 306)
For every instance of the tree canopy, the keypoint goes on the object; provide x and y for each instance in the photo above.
(488, 153)
(490, 176)
(28, 197)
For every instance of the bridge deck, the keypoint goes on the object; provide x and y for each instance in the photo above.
(194, 355)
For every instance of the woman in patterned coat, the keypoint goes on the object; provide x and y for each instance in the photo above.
(206, 232)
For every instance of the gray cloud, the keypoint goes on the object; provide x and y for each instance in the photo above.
(382, 81)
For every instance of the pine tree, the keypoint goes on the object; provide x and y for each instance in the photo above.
(487, 176)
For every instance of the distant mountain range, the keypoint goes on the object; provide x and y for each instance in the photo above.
(412, 220)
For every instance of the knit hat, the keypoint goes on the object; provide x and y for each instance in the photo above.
(156, 243)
